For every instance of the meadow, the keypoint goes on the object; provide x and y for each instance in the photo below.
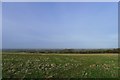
(28, 65)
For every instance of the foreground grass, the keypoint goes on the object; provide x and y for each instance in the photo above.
(60, 65)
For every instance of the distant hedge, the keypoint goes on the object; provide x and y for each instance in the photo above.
(72, 51)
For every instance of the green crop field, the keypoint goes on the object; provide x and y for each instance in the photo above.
(59, 65)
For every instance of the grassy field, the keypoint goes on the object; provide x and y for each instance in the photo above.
(60, 65)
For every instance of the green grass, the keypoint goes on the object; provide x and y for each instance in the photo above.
(60, 65)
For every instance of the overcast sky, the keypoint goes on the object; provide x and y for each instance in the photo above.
(60, 25)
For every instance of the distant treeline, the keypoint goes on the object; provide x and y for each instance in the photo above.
(79, 51)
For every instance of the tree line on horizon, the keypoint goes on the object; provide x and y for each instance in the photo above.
(72, 51)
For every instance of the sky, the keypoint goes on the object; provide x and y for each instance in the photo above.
(59, 25)
(60, 0)
(0, 26)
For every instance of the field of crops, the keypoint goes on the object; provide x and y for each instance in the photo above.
(60, 65)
